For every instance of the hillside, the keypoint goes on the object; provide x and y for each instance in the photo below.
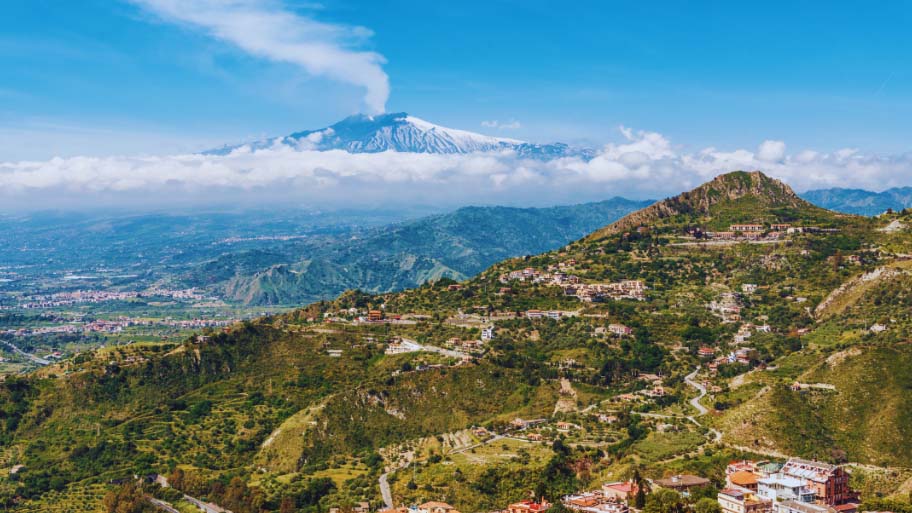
(591, 345)
(739, 197)
(457, 245)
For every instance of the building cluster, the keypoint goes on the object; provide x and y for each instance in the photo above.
(798, 486)
(756, 231)
(59, 299)
(118, 325)
(525, 506)
(573, 286)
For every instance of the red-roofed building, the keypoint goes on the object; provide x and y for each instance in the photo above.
(620, 490)
(528, 506)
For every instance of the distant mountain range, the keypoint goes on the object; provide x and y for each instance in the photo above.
(858, 201)
(403, 133)
(456, 245)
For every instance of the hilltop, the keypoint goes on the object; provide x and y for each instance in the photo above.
(737, 197)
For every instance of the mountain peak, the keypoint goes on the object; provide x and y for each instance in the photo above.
(738, 196)
(401, 132)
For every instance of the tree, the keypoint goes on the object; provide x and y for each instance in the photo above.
(707, 505)
(128, 498)
(664, 500)
(287, 506)
(639, 500)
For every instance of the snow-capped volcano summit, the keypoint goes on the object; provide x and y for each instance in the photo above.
(403, 133)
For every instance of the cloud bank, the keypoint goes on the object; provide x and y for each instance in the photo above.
(265, 29)
(644, 165)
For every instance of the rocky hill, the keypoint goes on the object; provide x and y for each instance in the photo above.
(747, 196)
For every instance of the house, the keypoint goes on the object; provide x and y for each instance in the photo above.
(375, 315)
(454, 287)
(487, 333)
(535, 314)
(682, 483)
(620, 330)
(746, 228)
(706, 352)
(780, 227)
(743, 479)
(830, 483)
(732, 500)
(528, 506)
(594, 502)
(877, 328)
(749, 288)
(780, 487)
(554, 314)
(619, 490)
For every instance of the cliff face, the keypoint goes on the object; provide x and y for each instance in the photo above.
(730, 187)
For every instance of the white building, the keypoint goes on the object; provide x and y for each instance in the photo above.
(779, 487)
(487, 333)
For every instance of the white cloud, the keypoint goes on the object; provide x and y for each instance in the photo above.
(506, 125)
(645, 165)
(771, 151)
(265, 29)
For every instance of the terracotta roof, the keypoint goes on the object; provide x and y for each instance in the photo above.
(743, 478)
(625, 486)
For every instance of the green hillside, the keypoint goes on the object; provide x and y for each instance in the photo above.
(311, 406)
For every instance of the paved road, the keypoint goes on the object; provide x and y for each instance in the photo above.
(690, 379)
(33, 358)
(207, 507)
(162, 505)
(695, 402)
(385, 491)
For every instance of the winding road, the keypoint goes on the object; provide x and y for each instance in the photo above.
(385, 491)
(29, 356)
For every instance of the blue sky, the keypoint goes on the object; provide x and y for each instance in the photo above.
(99, 77)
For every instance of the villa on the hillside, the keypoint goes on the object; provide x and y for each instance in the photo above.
(733, 500)
(682, 483)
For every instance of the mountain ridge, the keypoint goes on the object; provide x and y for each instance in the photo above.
(860, 201)
(401, 132)
(455, 245)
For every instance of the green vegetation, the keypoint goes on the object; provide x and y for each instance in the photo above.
(306, 410)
